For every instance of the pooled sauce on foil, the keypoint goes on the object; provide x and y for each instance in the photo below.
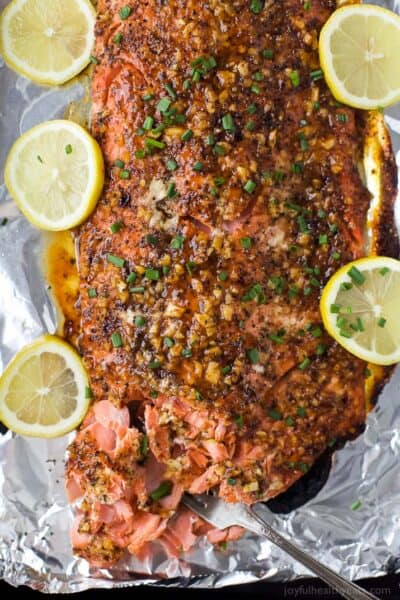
(62, 275)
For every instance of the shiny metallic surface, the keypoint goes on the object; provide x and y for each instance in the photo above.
(34, 513)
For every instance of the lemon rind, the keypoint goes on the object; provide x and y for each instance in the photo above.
(94, 187)
(51, 78)
(334, 84)
(329, 295)
(46, 343)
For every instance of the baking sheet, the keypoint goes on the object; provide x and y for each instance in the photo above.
(34, 513)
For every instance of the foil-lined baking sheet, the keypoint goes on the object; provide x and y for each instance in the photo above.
(34, 513)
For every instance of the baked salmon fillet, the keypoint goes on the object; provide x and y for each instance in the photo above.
(234, 190)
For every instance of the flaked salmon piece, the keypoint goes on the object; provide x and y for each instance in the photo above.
(233, 192)
(147, 527)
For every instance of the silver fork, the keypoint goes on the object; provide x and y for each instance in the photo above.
(222, 515)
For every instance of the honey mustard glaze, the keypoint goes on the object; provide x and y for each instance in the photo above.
(62, 275)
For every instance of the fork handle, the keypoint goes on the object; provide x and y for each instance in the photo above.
(346, 588)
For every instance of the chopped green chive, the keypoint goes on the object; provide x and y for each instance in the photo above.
(303, 467)
(198, 395)
(152, 240)
(117, 226)
(196, 76)
(317, 74)
(321, 349)
(278, 283)
(171, 190)
(356, 276)
(231, 481)
(168, 342)
(336, 255)
(177, 242)
(140, 321)
(144, 445)
(227, 123)
(223, 276)
(250, 125)
(356, 505)
(147, 97)
(250, 186)
(323, 239)
(171, 164)
(186, 85)
(305, 364)
(210, 140)
(226, 370)
(289, 421)
(131, 277)
(267, 53)
(124, 174)
(93, 59)
(117, 39)
(115, 260)
(187, 135)
(140, 153)
(255, 89)
(68, 149)
(335, 308)
(253, 355)
(295, 78)
(256, 6)
(125, 12)
(384, 271)
(92, 292)
(154, 364)
(162, 491)
(246, 243)
(297, 168)
(303, 225)
(301, 411)
(316, 332)
(151, 144)
(252, 109)
(186, 352)
(148, 123)
(303, 142)
(316, 105)
(345, 334)
(239, 421)
(88, 393)
(190, 267)
(275, 414)
(382, 322)
(368, 372)
(116, 340)
(219, 150)
(137, 290)
(342, 118)
(171, 91)
(198, 166)
(152, 274)
(219, 181)
(164, 104)
(258, 76)
(119, 163)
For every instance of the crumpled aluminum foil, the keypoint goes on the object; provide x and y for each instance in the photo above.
(34, 513)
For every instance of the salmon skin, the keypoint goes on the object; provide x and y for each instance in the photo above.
(233, 192)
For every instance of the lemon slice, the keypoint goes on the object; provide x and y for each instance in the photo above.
(48, 41)
(360, 308)
(359, 50)
(55, 173)
(44, 390)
